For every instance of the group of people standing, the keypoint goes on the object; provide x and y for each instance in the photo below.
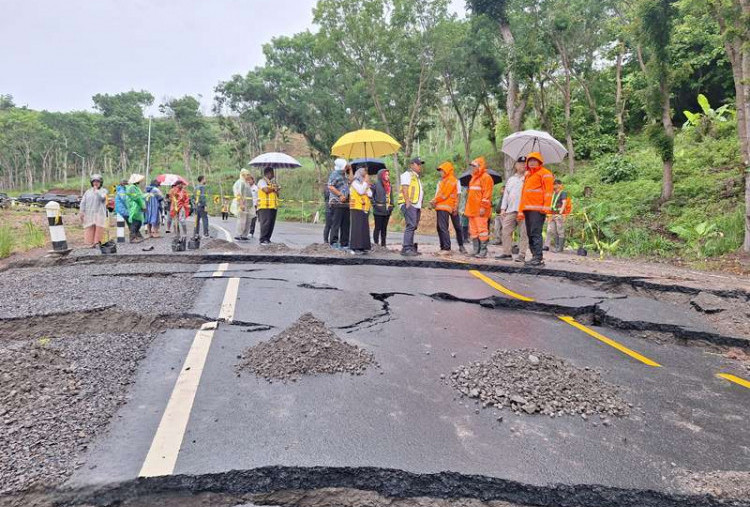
(530, 195)
(254, 203)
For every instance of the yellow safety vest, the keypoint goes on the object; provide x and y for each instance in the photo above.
(267, 200)
(415, 190)
(359, 202)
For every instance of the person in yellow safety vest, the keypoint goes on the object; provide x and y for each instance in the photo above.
(360, 195)
(268, 204)
(410, 201)
(556, 224)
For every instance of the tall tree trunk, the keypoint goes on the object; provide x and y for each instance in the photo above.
(568, 126)
(619, 101)
(491, 122)
(667, 185)
(514, 107)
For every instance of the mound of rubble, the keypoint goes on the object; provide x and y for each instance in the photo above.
(307, 347)
(531, 382)
(274, 248)
(321, 249)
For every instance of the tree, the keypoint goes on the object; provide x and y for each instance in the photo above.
(654, 32)
(123, 120)
(190, 123)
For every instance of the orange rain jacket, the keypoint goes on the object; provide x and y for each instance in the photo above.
(446, 198)
(480, 191)
(537, 188)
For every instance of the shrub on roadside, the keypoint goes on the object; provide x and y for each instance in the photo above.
(6, 241)
(616, 168)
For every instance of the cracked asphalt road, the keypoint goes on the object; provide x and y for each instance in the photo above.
(403, 415)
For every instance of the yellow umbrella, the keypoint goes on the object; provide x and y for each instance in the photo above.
(365, 144)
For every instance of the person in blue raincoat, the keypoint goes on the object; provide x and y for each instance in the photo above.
(154, 198)
(121, 202)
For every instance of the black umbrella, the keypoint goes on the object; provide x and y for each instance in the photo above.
(374, 165)
(465, 178)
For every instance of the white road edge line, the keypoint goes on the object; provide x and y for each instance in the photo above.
(165, 447)
(227, 234)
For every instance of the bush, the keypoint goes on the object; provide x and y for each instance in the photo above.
(34, 236)
(616, 168)
(6, 241)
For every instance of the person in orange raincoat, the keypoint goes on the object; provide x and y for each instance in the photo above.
(446, 205)
(479, 206)
(536, 204)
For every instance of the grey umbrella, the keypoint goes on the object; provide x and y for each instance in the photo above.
(528, 141)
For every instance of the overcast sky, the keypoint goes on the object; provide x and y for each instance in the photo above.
(57, 54)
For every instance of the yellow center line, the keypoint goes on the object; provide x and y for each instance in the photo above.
(735, 379)
(492, 283)
(571, 321)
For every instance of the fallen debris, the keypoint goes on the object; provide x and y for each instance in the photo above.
(321, 249)
(709, 303)
(307, 347)
(221, 245)
(274, 248)
(532, 382)
(726, 485)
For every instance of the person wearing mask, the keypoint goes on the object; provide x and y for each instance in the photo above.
(479, 206)
(201, 204)
(338, 186)
(136, 207)
(180, 208)
(509, 214)
(268, 205)
(154, 198)
(382, 206)
(446, 206)
(93, 211)
(556, 224)
(536, 203)
(242, 205)
(360, 202)
(410, 201)
(121, 202)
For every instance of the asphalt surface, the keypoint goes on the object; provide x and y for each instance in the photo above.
(403, 415)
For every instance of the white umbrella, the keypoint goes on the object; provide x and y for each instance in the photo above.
(522, 143)
(275, 160)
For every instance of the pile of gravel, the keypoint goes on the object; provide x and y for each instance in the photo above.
(274, 248)
(307, 347)
(56, 395)
(532, 382)
(220, 244)
(321, 249)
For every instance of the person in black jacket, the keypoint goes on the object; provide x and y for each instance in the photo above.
(382, 206)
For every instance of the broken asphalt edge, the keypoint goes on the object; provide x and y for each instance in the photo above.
(386, 482)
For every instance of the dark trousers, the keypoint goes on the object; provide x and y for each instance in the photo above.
(329, 222)
(224, 216)
(381, 229)
(443, 229)
(340, 225)
(253, 221)
(411, 216)
(201, 216)
(534, 226)
(267, 218)
(135, 229)
(460, 236)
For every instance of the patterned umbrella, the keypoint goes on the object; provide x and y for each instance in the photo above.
(275, 160)
(167, 180)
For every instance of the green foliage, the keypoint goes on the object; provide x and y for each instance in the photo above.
(706, 123)
(663, 143)
(6, 241)
(616, 168)
(33, 235)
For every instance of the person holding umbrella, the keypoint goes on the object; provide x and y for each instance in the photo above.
(268, 204)
(410, 201)
(536, 203)
(479, 206)
(382, 205)
(446, 205)
(359, 208)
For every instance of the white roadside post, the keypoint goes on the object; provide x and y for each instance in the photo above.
(120, 229)
(56, 229)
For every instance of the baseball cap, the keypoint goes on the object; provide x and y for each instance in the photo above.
(417, 160)
(521, 159)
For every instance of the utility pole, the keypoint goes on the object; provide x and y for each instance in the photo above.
(148, 151)
(83, 169)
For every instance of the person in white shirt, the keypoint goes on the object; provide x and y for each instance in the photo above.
(410, 200)
(242, 206)
(509, 213)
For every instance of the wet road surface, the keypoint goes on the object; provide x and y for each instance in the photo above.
(196, 415)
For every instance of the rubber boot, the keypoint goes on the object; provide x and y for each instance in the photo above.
(475, 244)
(559, 244)
(462, 249)
(482, 250)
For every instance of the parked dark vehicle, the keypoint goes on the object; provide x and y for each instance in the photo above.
(46, 198)
(71, 201)
(4, 200)
(28, 198)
